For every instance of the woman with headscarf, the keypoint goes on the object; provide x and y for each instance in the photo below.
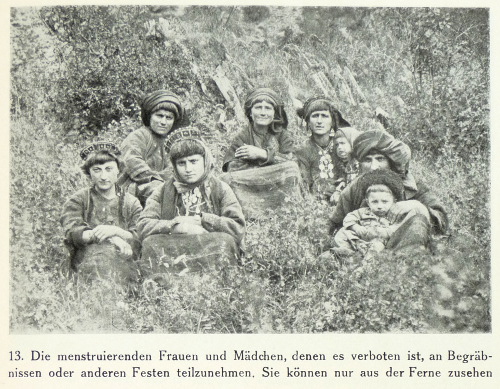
(267, 145)
(266, 140)
(144, 156)
(194, 215)
(99, 222)
(317, 156)
(377, 149)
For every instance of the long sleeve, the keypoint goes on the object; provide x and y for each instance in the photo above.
(279, 148)
(439, 217)
(135, 149)
(72, 218)
(150, 221)
(133, 211)
(352, 218)
(286, 142)
(239, 140)
(303, 155)
(230, 219)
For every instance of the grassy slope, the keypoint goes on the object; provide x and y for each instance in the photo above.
(282, 287)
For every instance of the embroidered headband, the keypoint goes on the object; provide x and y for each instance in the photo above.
(181, 134)
(99, 146)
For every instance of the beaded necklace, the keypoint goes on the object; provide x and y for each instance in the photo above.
(325, 160)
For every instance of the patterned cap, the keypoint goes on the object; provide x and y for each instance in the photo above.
(99, 146)
(181, 134)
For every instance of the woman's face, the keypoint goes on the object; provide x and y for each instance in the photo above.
(104, 176)
(374, 160)
(161, 121)
(190, 169)
(320, 122)
(262, 113)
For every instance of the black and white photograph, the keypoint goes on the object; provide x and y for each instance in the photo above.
(249, 169)
(249, 194)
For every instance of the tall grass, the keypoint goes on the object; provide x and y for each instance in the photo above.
(284, 285)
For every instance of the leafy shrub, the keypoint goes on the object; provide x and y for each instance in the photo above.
(111, 60)
(256, 14)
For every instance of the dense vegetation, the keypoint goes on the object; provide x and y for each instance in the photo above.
(77, 73)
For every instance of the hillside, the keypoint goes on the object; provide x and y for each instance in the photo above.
(423, 74)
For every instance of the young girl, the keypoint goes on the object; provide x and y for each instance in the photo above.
(316, 157)
(194, 216)
(99, 222)
(346, 167)
(368, 229)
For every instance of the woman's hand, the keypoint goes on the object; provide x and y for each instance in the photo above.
(401, 208)
(87, 236)
(103, 232)
(194, 220)
(122, 246)
(188, 225)
(334, 198)
(249, 152)
(189, 229)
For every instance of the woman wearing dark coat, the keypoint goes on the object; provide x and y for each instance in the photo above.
(317, 157)
(146, 161)
(99, 221)
(259, 162)
(377, 149)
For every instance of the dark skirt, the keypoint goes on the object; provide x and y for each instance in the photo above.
(414, 231)
(180, 253)
(104, 262)
(263, 188)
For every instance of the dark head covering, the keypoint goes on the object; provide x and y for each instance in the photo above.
(383, 177)
(397, 152)
(350, 133)
(152, 100)
(322, 103)
(268, 95)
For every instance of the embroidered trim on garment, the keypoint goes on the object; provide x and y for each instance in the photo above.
(351, 170)
(192, 200)
(325, 161)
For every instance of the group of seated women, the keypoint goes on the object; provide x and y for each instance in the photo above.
(155, 203)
